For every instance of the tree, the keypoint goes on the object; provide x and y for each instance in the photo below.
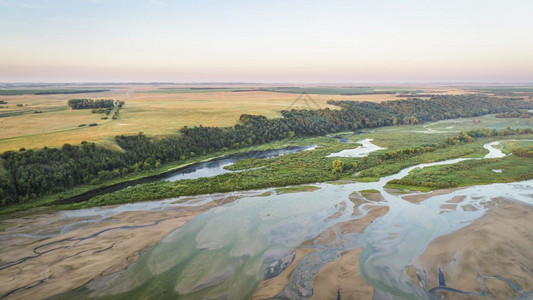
(337, 166)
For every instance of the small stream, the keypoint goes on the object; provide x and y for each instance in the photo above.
(228, 250)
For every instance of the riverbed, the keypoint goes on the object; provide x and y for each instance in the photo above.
(240, 245)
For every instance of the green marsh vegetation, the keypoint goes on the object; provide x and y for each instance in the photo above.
(297, 189)
(307, 167)
(471, 172)
(34, 174)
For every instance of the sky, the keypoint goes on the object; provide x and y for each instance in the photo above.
(307, 41)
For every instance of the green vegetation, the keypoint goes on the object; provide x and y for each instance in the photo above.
(14, 113)
(90, 103)
(49, 91)
(35, 173)
(523, 113)
(297, 189)
(293, 169)
(466, 173)
(523, 152)
(368, 192)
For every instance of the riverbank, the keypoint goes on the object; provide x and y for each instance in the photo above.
(489, 258)
(295, 169)
(86, 192)
(51, 253)
(227, 249)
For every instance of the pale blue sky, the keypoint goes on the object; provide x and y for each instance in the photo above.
(266, 41)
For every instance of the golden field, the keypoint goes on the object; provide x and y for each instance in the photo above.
(149, 109)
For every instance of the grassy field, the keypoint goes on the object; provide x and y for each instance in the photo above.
(49, 91)
(154, 110)
(473, 172)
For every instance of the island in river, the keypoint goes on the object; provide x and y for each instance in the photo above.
(345, 239)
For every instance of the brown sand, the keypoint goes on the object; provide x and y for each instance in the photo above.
(329, 236)
(376, 197)
(357, 201)
(342, 276)
(456, 199)
(274, 286)
(416, 198)
(342, 273)
(498, 244)
(39, 268)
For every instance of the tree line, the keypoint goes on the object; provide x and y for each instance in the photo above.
(29, 174)
(90, 103)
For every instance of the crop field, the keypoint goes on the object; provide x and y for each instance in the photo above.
(33, 121)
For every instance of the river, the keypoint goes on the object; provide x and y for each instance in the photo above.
(210, 168)
(227, 251)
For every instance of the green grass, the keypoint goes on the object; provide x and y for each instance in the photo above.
(297, 189)
(467, 173)
(25, 111)
(377, 169)
(298, 168)
(368, 192)
(394, 136)
(508, 146)
(293, 169)
(367, 179)
(404, 188)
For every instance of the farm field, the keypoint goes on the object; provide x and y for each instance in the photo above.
(159, 110)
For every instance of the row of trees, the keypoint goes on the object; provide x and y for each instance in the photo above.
(90, 103)
(29, 174)
(524, 113)
(523, 152)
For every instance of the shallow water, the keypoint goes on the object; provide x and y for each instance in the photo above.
(216, 166)
(209, 168)
(493, 152)
(227, 251)
(224, 251)
(366, 148)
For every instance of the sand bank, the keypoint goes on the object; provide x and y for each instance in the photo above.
(43, 263)
(491, 256)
